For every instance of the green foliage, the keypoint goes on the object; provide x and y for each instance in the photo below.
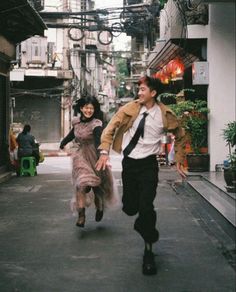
(196, 126)
(162, 3)
(122, 73)
(182, 107)
(122, 69)
(229, 135)
(193, 117)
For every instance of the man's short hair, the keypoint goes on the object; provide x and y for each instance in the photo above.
(153, 84)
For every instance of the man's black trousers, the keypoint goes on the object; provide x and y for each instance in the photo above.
(140, 180)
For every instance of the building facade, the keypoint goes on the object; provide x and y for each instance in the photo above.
(200, 34)
(54, 71)
(205, 35)
(18, 21)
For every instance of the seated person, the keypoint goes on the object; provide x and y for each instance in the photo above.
(27, 145)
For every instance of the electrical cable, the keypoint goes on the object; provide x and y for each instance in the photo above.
(193, 7)
(184, 31)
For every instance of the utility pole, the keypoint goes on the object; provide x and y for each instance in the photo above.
(65, 40)
(65, 106)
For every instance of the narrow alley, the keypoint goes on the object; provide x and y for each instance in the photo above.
(41, 249)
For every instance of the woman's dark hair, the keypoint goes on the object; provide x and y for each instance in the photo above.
(153, 84)
(98, 114)
(26, 129)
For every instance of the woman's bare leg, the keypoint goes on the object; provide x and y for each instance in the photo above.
(80, 199)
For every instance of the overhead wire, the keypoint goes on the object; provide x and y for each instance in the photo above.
(184, 31)
(193, 7)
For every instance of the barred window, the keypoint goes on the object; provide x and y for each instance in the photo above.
(83, 5)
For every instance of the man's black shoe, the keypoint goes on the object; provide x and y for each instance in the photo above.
(98, 215)
(149, 265)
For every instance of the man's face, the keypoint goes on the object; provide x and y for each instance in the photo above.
(146, 96)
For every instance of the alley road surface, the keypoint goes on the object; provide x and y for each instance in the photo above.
(41, 249)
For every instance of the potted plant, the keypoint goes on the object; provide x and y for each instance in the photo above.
(229, 135)
(193, 116)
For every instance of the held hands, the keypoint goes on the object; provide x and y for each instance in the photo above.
(102, 162)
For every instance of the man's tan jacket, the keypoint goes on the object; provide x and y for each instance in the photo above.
(123, 120)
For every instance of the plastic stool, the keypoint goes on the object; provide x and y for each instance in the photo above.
(28, 166)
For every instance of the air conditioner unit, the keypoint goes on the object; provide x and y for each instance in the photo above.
(34, 51)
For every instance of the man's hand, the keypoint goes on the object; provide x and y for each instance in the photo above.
(180, 169)
(102, 162)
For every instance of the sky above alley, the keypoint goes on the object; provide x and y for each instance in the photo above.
(120, 43)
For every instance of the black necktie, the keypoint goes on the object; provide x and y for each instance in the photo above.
(139, 132)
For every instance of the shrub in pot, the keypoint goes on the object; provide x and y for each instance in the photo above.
(193, 116)
(229, 135)
(195, 122)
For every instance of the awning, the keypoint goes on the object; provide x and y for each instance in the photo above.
(19, 20)
(189, 50)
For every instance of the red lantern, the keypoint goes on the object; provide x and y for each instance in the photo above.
(164, 78)
(165, 71)
(158, 74)
(169, 67)
(177, 68)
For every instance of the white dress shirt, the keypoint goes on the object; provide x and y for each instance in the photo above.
(150, 144)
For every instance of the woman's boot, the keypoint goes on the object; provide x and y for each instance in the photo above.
(98, 215)
(81, 217)
(99, 205)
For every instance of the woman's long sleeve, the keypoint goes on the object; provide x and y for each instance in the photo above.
(69, 137)
(97, 132)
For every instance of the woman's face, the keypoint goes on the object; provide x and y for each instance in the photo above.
(87, 110)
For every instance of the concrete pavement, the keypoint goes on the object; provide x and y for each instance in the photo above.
(41, 249)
